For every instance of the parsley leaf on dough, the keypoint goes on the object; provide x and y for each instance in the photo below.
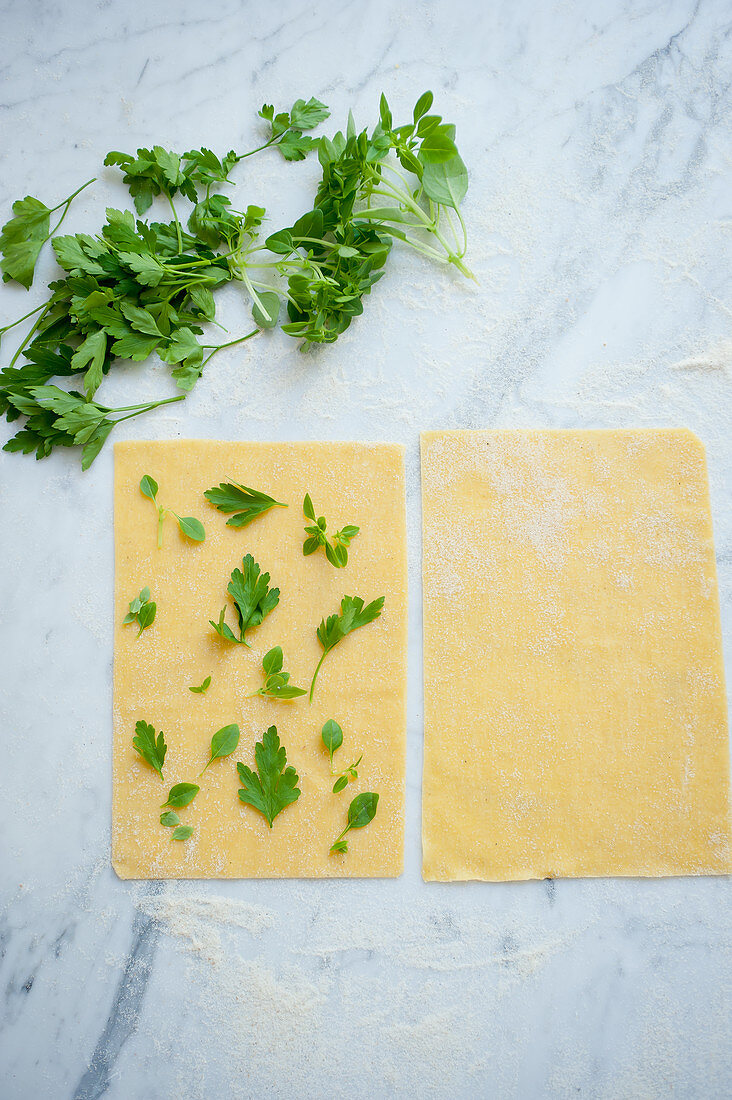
(253, 600)
(246, 503)
(275, 785)
(150, 748)
(332, 630)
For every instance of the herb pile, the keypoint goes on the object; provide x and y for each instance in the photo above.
(139, 287)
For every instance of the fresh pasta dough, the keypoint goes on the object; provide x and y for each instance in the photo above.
(575, 712)
(361, 684)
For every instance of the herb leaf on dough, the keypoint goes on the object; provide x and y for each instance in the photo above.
(201, 689)
(142, 611)
(223, 742)
(245, 503)
(151, 748)
(253, 600)
(336, 551)
(275, 785)
(181, 794)
(276, 682)
(361, 811)
(332, 630)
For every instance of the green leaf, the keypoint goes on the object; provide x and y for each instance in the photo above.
(150, 749)
(253, 598)
(332, 630)
(306, 116)
(22, 238)
(95, 443)
(135, 346)
(245, 502)
(422, 105)
(361, 811)
(340, 784)
(202, 688)
(182, 832)
(446, 182)
(203, 300)
(192, 528)
(146, 616)
(336, 552)
(277, 683)
(267, 311)
(283, 691)
(274, 785)
(148, 487)
(182, 345)
(223, 742)
(91, 352)
(147, 269)
(296, 146)
(272, 660)
(181, 795)
(332, 736)
(72, 257)
(169, 819)
(140, 319)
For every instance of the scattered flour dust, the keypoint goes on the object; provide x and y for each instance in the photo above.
(382, 983)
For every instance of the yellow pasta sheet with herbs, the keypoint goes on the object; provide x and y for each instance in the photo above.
(575, 712)
(361, 683)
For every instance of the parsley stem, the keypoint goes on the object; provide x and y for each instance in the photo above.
(67, 203)
(272, 141)
(14, 324)
(147, 405)
(230, 344)
(28, 335)
(177, 223)
(315, 674)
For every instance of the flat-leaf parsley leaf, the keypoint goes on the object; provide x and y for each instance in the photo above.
(245, 503)
(253, 600)
(275, 787)
(332, 630)
(150, 748)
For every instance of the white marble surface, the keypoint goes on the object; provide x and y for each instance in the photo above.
(598, 140)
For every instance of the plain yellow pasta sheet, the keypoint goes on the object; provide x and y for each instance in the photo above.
(361, 684)
(575, 711)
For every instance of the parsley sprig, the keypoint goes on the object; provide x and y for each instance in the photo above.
(245, 503)
(276, 682)
(23, 237)
(151, 748)
(336, 551)
(334, 629)
(253, 600)
(142, 611)
(274, 785)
